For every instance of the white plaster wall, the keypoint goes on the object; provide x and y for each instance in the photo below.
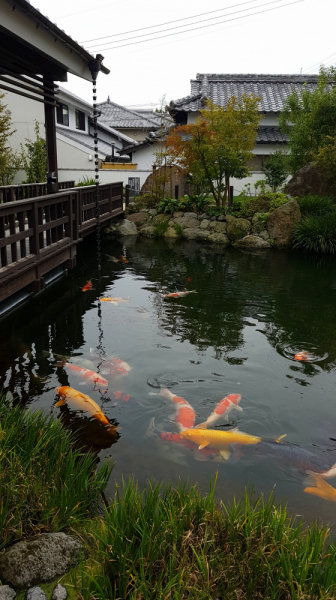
(145, 157)
(105, 176)
(24, 112)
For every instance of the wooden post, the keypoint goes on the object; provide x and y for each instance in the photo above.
(127, 194)
(50, 129)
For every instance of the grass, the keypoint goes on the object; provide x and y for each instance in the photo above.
(316, 205)
(160, 228)
(177, 544)
(45, 483)
(317, 230)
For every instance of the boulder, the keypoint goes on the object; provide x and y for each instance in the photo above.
(144, 210)
(238, 228)
(36, 593)
(190, 215)
(139, 218)
(218, 238)
(152, 212)
(213, 218)
(178, 214)
(203, 216)
(59, 593)
(7, 593)
(219, 227)
(281, 221)
(264, 235)
(257, 224)
(160, 219)
(148, 231)
(190, 234)
(252, 241)
(221, 218)
(171, 233)
(187, 222)
(40, 559)
(229, 218)
(205, 224)
(309, 180)
(126, 227)
(202, 235)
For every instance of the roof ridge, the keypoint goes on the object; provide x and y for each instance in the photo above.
(133, 112)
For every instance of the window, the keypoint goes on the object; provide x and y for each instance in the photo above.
(62, 113)
(80, 120)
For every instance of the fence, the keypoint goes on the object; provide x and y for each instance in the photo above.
(23, 191)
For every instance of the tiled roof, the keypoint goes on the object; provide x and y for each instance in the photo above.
(117, 134)
(118, 116)
(269, 135)
(272, 89)
(85, 140)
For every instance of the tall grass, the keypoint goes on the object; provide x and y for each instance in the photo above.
(177, 544)
(45, 483)
(316, 205)
(316, 233)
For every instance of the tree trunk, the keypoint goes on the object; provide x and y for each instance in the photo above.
(227, 184)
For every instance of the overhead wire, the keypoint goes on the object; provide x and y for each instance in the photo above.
(181, 26)
(320, 62)
(202, 26)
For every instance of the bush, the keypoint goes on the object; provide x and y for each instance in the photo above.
(176, 543)
(45, 483)
(168, 205)
(178, 229)
(262, 204)
(160, 228)
(276, 169)
(86, 181)
(316, 205)
(316, 232)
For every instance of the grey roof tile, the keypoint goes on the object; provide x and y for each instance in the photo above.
(85, 140)
(272, 89)
(118, 116)
(269, 135)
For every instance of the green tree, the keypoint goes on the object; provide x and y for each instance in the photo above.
(9, 161)
(34, 159)
(218, 146)
(309, 119)
(276, 169)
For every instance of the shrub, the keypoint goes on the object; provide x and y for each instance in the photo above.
(178, 229)
(45, 483)
(86, 181)
(262, 204)
(316, 205)
(276, 169)
(147, 200)
(168, 205)
(160, 228)
(316, 232)
(215, 211)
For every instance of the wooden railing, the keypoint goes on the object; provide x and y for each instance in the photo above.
(40, 233)
(23, 191)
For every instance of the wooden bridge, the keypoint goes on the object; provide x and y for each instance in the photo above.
(40, 232)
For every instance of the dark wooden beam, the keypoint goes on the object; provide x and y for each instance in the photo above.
(50, 127)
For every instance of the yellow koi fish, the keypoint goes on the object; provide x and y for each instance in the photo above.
(80, 402)
(219, 440)
(322, 489)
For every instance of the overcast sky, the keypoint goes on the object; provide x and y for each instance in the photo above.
(282, 40)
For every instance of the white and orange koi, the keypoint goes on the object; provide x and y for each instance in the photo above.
(80, 402)
(303, 356)
(322, 489)
(114, 301)
(86, 374)
(223, 408)
(185, 414)
(180, 294)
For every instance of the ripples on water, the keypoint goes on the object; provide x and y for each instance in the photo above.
(238, 334)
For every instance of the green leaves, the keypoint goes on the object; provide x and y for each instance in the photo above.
(276, 169)
(34, 159)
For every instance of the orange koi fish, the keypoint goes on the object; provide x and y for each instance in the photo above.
(80, 402)
(223, 408)
(180, 294)
(87, 286)
(120, 396)
(175, 438)
(86, 374)
(305, 356)
(189, 279)
(112, 365)
(220, 440)
(185, 414)
(123, 259)
(322, 489)
(114, 300)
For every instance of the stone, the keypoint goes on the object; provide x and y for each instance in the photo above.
(238, 228)
(7, 593)
(281, 221)
(190, 234)
(171, 233)
(309, 180)
(178, 214)
(202, 235)
(187, 222)
(218, 238)
(221, 218)
(144, 210)
(59, 593)
(218, 227)
(152, 212)
(148, 231)
(190, 215)
(171, 223)
(36, 593)
(264, 235)
(40, 559)
(252, 241)
(203, 216)
(139, 218)
(160, 219)
(229, 218)
(213, 218)
(257, 224)
(126, 227)
(205, 224)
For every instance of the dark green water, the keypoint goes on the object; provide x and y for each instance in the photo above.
(238, 334)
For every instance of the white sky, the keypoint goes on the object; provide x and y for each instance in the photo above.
(279, 41)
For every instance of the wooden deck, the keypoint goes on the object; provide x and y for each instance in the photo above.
(39, 234)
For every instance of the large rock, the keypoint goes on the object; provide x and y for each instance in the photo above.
(190, 234)
(171, 233)
(257, 223)
(218, 238)
(139, 218)
(178, 214)
(238, 228)
(39, 560)
(202, 235)
(158, 219)
(309, 180)
(264, 235)
(205, 224)
(218, 227)
(252, 241)
(126, 227)
(187, 222)
(7, 593)
(36, 593)
(280, 223)
(148, 231)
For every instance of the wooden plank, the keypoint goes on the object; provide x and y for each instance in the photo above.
(16, 237)
(52, 224)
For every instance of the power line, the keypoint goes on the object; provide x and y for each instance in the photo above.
(182, 26)
(202, 27)
(167, 23)
(320, 62)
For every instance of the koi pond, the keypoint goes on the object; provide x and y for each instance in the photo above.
(237, 337)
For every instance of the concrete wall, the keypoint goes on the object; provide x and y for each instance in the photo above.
(24, 113)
